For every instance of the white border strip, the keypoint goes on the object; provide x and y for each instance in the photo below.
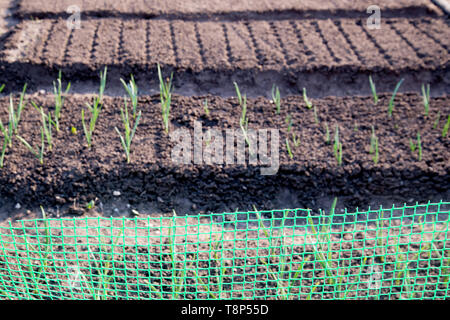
(443, 4)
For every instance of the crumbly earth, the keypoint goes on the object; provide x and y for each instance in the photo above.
(73, 174)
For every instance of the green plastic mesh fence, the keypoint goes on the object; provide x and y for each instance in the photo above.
(397, 253)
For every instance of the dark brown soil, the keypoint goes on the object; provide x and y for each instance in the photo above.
(207, 56)
(72, 172)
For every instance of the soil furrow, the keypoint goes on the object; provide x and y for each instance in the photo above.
(261, 52)
(382, 52)
(351, 43)
(186, 46)
(134, 50)
(274, 29)
(94, 42)
(215, 46)
(108, 44)
(436, 30)
(325, 41)
(200, 45)
(295, 45)
(337, 43)
(319, 53)
(424, 46)
(67, 47)
(393, 45)
(243, 53)
(55, 47)
(161, 45)
(405, 39)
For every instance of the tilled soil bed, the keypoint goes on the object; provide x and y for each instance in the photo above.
(73, 173)
(208, 55)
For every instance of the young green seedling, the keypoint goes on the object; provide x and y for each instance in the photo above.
(374, 90)
(3, 153)
(316, 117)
(322, 252)
(243, 121)
(289, 149)
(14, 115)
(446, 127)
(426, 98)
(391, 102)
(305, 98)
(436, 122)
(37, 273)
(220, 271)
(283, 271)
(102, 84)
(327, 134)
(295, 140)
(374, 146)
(38, 153)
(412, 145)
(376, 156)
(95, 111)
(177, 279)
(289, 122)
(132, 91)
(416, 146)
(59, 99)
(205, 107)
(270, 236)
(419, 146)
(104, 266)
(276, 98)
(90, 205)
(381, 243)
(219, 257)
(165, 89)
(208, 138)
(8, 131)
(403, 273)
(2, 87)
(337, 148)
(339, 154)
(47, 124)
(238, 93)
(128, 136)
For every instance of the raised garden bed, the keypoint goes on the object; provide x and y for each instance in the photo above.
(72, 172)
